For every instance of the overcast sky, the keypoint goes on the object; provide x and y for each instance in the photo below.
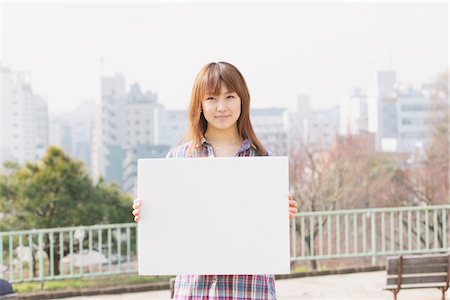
(320, 49)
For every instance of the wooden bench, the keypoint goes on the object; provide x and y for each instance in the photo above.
(172, 287)
(418, 271)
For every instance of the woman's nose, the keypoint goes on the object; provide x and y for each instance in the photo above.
(221, 105)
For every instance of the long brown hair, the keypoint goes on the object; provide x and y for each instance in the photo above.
(209, 81)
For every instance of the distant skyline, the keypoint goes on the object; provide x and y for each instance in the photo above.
(283, 49)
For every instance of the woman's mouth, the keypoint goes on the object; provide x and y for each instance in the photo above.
(221, 117)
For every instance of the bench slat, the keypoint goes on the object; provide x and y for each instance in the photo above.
(418, 285)
(419, 269)
(415, 280)
(417, 261)
(420, 256)
(419, 275)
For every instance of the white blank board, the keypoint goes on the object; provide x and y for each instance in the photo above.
(227, 215)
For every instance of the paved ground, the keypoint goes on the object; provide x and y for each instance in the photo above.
(356, 286)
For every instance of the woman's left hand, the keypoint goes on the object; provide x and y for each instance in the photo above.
(292, 207)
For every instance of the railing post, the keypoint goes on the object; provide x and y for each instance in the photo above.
(41, 259)
(30, 248)
(1, 256)
(293, 239)
(51, 258)
(11, 257)
(373, 238)
(444, 230)
(137, 242)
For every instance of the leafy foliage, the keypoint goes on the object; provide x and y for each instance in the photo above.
(57, 192)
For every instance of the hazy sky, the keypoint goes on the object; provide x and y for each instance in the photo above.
(282, 49)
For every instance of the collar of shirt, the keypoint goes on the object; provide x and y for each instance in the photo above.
(245, 145)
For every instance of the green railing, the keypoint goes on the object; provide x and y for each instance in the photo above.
(59, 253)
(70, 252)
(370, 232)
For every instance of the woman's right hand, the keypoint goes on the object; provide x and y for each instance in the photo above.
(136, 209)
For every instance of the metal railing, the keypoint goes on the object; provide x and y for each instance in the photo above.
(69, 252)
(73, 252)
(370, 232)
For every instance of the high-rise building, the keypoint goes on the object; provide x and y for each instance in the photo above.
(316, 129)
(172, 127)
(270, 127)
(321, 128)
(354, 117)
(296, 121)
(129, 165)
(125, 121)
(387, 111)
(82, 132)
(403, 114)
(60, 132)
(24, 119)
(73, 131)
(413, 111)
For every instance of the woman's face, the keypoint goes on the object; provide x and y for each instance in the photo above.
(222, 111)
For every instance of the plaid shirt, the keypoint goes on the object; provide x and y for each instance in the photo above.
(222, 287)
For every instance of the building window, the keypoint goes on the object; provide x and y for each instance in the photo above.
(414, 135)
(414, 121)
(414, 107)
(406, 121)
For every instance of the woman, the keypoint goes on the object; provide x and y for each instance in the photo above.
(219, 126)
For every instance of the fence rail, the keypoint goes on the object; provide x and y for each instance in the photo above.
(83, 251)
(370, 232)
(69, 252)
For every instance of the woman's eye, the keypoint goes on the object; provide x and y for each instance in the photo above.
(210, 98)
(230, 97)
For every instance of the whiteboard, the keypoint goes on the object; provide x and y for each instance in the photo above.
(225, 215)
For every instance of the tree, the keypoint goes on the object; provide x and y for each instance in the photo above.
(57, 192)
(426, 182)
(349, 175)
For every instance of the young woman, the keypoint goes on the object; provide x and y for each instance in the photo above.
(219, 125)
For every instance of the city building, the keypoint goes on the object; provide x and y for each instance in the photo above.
(172, 127)
(354, 117)
(270, 126)
(125, 121)
(387, 111)
(413, 111)
(129, 165)
(73, 131)
(296, 121)
(24, 119)
(403, 114)
(311, 128)
(60, 132)
(321, 128)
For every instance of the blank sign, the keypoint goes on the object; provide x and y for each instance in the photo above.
(225, 215)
